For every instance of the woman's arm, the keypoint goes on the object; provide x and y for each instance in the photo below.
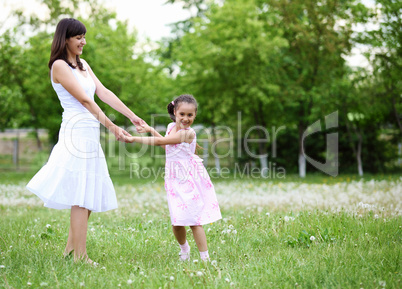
(176, 138)
(111, 99)
(62, 74)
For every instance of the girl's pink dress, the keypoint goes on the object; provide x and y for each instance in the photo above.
(190, 192)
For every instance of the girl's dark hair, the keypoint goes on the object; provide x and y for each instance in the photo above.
(67, 27)
(188, 98)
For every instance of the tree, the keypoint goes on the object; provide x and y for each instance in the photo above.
(230, 60)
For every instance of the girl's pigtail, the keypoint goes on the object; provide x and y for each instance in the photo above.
(170, 109)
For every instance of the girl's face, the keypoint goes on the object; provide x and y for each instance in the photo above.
(75, 44)
(185, 115)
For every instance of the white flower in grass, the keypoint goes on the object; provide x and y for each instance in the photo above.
(375, 216)
(231, 227)
(29, 283)
(171, 278)
(231, 284)
(382, 283)
(129, 281)
(195, 261)
(312, 238)
(286, 218)
(227, 279)
(267, 214)
(2, 266)
(209, 230)
(199, 273)
(234, 232)
(82, 284)
(92, 229)
(42, 284)
(229, 231)
(48, 226)
(214, 262)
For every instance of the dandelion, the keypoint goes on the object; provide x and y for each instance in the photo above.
(382, 283)
(141, 273)
(234, 232)
(199, 273)
(209, 230)
(375, 216)
(286, 218)
(29, 283)
(223, 242)
(231, 284)
(312, 238)
(171, 278)
(129, 281)
(82, 284)
(231, 227)
(92, 229)
(227, 280)
(214, 262)
(267, 214)
(2, 266)
(43, 284)
(48, 225)
(195, 261)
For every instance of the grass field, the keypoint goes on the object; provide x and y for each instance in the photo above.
(319, 232)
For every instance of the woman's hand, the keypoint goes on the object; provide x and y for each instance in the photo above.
(120, 134)
(143, 128)
(137, 121)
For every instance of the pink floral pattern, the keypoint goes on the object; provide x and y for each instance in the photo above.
(190, 192)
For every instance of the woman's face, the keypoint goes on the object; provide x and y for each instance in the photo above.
(75, 44)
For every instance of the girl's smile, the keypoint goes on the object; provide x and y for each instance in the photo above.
(185, 115)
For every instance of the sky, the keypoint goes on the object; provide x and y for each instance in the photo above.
(149, 17)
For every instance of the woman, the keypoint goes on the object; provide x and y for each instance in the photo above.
(76, 175)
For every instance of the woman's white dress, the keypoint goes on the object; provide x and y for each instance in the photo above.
(76, 173)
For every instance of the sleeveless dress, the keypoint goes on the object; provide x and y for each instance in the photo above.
(76, 173)
(190, 193)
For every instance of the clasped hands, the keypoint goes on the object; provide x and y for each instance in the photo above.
(122, 135)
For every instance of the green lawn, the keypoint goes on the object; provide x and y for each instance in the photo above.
(315, 233)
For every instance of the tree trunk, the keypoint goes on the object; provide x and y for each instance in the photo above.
(302, 159)
(359, 152)
(38, 142)
(398, 121)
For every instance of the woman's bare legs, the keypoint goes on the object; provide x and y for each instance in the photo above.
(69, 247)
(77, 238)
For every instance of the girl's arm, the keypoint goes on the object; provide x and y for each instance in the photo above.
(176, 138)
(62, 74)
(111, 99)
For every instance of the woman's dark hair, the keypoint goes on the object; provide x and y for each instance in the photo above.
(67, 27)
(188, 98)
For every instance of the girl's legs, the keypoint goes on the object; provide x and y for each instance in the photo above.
(78, 226)
(201, 241)
(69, 247)
(181, 237)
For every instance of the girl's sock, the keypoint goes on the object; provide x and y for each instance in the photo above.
(184, 251)
(204, 256)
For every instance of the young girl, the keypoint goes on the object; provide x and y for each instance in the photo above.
(190, 193)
